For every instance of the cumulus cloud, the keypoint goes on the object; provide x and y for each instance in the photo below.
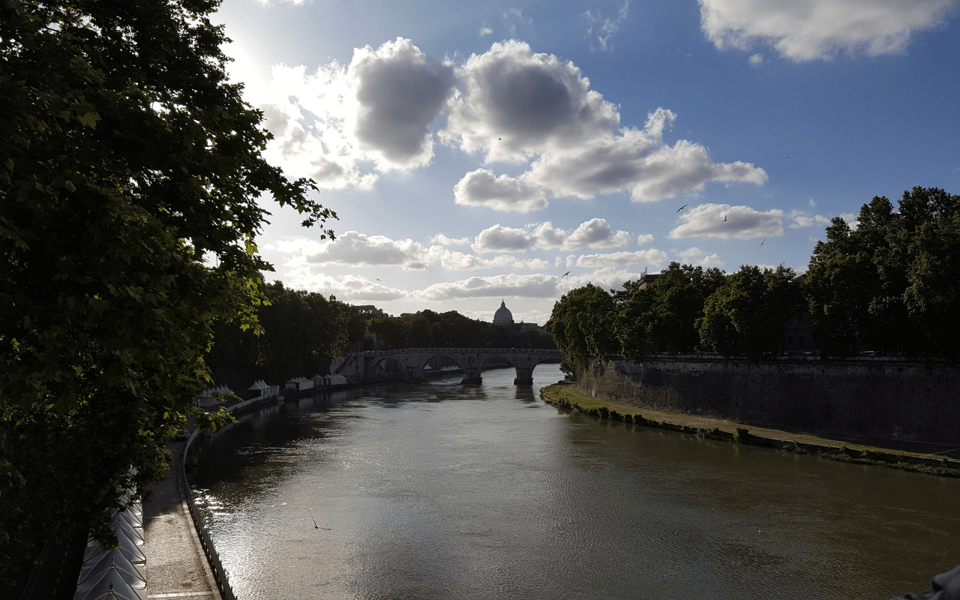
(607, 277)
(645, 258)
(723, 221)
(522, 107)
(341, 125)
(601, 31)
(640, 162)
(516, 103)
(398, 92)
(483, 188)
(447, 241)
(802, 219)
(595, 233)
(697, 257)
(755, 60)
(644, 238)
(806, 30)
(360, 250)
(377, 108)
(527, 286)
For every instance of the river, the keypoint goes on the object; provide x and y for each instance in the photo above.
(444, 491)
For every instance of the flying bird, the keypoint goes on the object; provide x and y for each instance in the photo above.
(682, 207)
(724, 218)
(565, 274)
(761, 243)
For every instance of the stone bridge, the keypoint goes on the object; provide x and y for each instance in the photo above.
(471, 360)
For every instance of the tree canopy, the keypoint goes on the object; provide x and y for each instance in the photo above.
(130, 173)
(890, 285)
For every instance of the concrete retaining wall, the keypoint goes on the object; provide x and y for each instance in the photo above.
(880, 398)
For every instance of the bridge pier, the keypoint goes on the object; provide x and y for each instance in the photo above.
(524, 376)
(471, 376)
(414, 374)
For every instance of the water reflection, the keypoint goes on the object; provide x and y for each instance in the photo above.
(450, 491)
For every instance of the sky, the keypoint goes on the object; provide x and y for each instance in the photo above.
(485, 152)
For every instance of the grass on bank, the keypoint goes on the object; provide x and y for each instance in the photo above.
(566, 397)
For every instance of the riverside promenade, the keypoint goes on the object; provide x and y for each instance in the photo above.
(177, 567)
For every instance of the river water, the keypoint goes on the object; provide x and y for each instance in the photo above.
(443, 491)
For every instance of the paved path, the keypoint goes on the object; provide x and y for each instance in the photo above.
(176, 568)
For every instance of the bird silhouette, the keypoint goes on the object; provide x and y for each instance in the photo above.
(724, 218)
(761, 243)
(565, 274)
(682, 207)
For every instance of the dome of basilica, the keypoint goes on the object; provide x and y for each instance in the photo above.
(503, 316)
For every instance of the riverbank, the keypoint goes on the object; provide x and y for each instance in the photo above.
(908, 456)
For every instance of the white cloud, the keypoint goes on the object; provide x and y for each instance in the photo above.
(398, 92)
(527, 286)
(728, 222)
(652, 257)
(595, 233)
(483, 188)
(803, 219)
(637, 161)
(644, 238)
(358, 249)
(504, 239)
(515, 104)
(602, 30)
(607, 278)
(447, 241)
(805, 30)
(518, 106)
(341, 125)
(697, 257)
(485, 31)
(377, 108)
(755, 60)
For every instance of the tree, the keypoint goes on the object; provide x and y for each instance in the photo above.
(661, 317)
(582, 325)
(129, 177)
(888, 285)
(300, 333)
(747, 315)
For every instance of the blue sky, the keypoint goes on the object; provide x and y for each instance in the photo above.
(479, 152)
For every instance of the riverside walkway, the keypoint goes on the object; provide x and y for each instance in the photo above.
(176, 566)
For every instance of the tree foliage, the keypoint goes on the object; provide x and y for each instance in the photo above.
(583, 325)
(890, 284)
(748, 313)
(129, 177)
(661, 317)
(301, 332)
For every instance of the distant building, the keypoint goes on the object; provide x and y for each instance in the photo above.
(370, 310)
(503, 316)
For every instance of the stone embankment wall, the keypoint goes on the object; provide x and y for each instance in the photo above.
(878, 398)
